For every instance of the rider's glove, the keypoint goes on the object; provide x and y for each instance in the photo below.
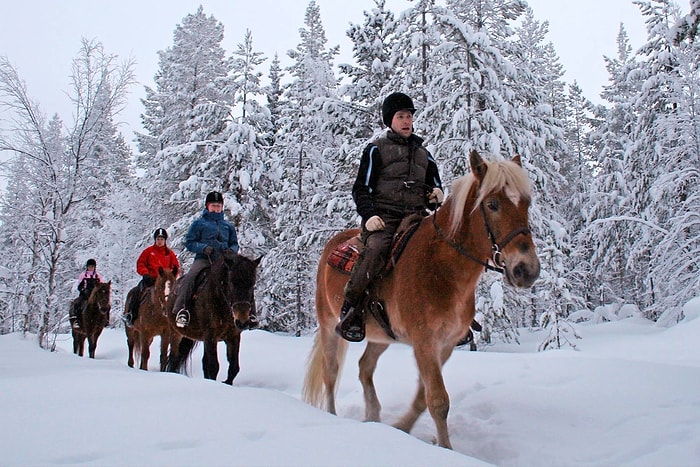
(374, 223)
(436, 196)
(208, 250)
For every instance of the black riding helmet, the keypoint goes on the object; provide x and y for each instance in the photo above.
(393, 103)
(160, 233)
(214, 197)
(91, 262)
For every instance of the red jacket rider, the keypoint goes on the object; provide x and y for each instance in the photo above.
(156, 256)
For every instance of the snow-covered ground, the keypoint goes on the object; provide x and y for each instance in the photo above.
(629, 396)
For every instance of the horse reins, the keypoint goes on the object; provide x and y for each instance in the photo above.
(496, 246)
(231, 305)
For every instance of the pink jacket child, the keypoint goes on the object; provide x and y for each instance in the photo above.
(86, 281)
(88, 278)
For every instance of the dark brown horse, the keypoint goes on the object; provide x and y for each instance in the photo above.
(430, 294)
(220, 312)
(151, 321)
(94, 318)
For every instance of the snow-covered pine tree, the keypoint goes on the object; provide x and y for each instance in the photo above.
(369, 77)
(663, 164)
(241, 164)
(688, 27)
(185, 117)
(305, 200)
(608, 239)
(274, 95)
(412, 39)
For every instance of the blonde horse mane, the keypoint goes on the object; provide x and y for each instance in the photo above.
(500, 175)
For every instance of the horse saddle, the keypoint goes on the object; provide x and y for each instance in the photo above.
(199, 282)
(345, 255)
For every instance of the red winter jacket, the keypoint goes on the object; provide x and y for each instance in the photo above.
(154, 257)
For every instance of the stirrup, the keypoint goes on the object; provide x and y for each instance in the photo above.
(182, 318)
(252, 322)
(351, 326)
(128, 320)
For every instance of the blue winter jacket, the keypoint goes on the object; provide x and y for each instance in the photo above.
(211, 230)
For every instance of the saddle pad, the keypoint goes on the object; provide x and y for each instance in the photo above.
(344, 256)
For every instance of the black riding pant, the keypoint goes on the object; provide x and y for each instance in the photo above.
(371, 261)
(185, 285)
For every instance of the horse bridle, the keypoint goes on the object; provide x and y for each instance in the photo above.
(232, 305)
(496, 247)
(103, 309)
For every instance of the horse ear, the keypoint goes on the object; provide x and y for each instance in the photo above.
(478, 165)
(175, 270)
(516, 159)
(257, 261)
(160, 270)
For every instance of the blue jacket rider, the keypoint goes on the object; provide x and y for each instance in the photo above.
(207, 238)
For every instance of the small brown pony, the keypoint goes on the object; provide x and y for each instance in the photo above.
(220, 312)
(94, 318)
(429, 296)
(151, 321)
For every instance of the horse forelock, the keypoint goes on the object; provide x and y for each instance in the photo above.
(239, 271)
(500, 175)
(95, 291)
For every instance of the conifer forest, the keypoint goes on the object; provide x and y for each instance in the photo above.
(616, 208)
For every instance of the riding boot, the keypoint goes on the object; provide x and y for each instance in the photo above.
(252, 320)
(73, 318)
(352, 324)
(132, 314)
(182, 314)
(78, 315)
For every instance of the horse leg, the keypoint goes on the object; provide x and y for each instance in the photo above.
(210, 360)
(368, 364)
(436, 397)
(418, 406)
(92, 345)
(75, 342)
(81, 344)
(333, 351)
(145, 350)
(130, 345)
(164, 343)
(233, 346)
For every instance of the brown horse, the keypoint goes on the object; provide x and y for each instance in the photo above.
(151, 321)
(429, 296)
(220, 312)
(94, 318)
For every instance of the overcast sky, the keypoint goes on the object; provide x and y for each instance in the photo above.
(41, 37)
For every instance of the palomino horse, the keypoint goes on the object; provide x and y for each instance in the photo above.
(429, 296)
(151, 321)
(220, 312)
(95, 317)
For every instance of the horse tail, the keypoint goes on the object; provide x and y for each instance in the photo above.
(314, 391)
(177, 361)
(137, 344)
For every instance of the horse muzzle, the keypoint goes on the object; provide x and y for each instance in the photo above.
(524, 273)
(240, 311)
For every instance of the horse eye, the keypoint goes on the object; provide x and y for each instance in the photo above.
(492, 204)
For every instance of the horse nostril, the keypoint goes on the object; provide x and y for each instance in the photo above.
(519, 271)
